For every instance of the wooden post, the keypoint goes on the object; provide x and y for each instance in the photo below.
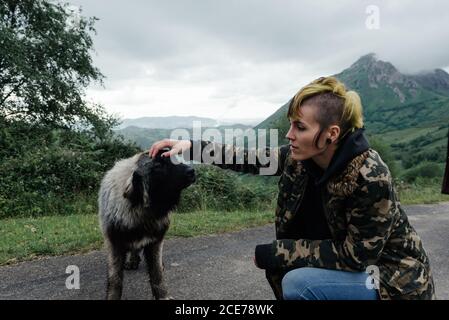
(445, 188)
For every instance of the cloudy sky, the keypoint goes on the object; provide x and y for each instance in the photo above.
(238, 59)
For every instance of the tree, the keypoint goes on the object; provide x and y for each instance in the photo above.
(45, 65)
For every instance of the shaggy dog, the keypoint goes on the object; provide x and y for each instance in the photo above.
(135, 199)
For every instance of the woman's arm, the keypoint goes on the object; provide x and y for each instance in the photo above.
(266, 161)
(369, 226)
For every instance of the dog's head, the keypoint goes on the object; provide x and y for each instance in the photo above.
(158, 177)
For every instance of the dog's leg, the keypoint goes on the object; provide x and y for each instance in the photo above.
(132, 259)
(153, 258)
(116, 261)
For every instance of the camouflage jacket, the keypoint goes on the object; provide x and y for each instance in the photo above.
(364, 215)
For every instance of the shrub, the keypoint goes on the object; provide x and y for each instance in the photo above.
(44, 170)
(224, 190)
(425, 170)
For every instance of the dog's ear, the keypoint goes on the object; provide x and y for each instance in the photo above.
(146, 195)
(134, 189)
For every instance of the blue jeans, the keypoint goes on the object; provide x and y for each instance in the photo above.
(324, 284)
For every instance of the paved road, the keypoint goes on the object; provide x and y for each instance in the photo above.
(211, 267)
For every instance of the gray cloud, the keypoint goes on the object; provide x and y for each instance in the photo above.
(227, 43)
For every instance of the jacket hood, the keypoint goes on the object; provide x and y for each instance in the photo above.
(350, 147)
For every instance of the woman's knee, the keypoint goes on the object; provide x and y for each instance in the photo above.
(319, 284)
(296, 282)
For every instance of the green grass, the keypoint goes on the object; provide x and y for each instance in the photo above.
(28, 238)
(24, 239)
(421, 193)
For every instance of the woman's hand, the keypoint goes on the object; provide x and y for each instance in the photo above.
(177, 146)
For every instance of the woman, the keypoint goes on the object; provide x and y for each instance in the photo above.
(338, 217)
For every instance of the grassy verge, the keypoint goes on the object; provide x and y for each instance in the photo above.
(29, 238)
(421, 194)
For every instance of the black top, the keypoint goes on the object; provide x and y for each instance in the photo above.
(309, 222)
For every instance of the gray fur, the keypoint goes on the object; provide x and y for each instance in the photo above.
(134, 216)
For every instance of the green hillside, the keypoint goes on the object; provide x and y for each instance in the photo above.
(145, 137)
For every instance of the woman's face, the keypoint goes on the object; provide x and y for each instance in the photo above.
(302, 133)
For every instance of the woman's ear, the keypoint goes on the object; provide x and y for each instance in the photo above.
(334, 133)
(134, 189)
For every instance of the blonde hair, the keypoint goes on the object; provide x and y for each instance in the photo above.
(335, 104)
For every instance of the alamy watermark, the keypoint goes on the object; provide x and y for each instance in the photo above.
(72, 281)
(373, 280)
(372, 22)
(235, 150)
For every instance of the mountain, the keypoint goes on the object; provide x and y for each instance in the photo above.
(437, 80)
(147, 130)
(391, 100)
(145, 137)
(171, 122)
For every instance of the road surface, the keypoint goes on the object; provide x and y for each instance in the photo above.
(210, 267)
